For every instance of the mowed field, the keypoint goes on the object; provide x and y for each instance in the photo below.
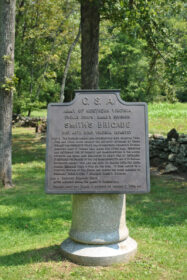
(33, 224)
(163, 117)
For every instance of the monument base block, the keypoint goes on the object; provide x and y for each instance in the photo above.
(99, 255)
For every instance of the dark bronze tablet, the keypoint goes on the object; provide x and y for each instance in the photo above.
(97, 144)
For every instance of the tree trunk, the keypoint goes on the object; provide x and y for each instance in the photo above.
(151, 74)
(7, 38)
(90, 18)
(29, 112)
(67, 64)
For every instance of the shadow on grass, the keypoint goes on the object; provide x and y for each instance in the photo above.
(164, 206)
(46, 254)
(27, 147)
(36, 213)
(25, 135)
(32, 152)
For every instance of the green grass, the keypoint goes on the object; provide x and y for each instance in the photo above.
(33, 224)
(162, 117)
(38, 113)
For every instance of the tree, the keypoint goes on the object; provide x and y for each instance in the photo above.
(144, 56)
(7, 35)
(45, 31)
(68, 64)
(90, 19)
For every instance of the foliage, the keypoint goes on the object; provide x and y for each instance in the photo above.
(146, 46)
(44, 31)
(10, 83)
(125, 67)
(34, 224)
(142, 50)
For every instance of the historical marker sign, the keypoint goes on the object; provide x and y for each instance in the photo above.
(97, 144)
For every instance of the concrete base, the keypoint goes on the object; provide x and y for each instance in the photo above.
(99, 255)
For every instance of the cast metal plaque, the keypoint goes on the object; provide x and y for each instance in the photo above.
(97, 144)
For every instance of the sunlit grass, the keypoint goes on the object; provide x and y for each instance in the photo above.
(37, 113)
(164, 116)
(168, 110)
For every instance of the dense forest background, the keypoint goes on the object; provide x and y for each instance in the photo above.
(142, 51)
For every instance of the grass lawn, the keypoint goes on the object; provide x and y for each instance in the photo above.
(38, 113)
(33, 224)
(162, 117)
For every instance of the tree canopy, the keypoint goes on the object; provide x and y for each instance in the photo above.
(142, 50)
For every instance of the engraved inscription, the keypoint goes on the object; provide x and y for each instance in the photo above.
(96, 145)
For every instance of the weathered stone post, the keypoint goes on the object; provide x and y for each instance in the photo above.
(98, 234)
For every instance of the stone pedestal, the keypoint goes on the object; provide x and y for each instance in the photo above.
(98, 234)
